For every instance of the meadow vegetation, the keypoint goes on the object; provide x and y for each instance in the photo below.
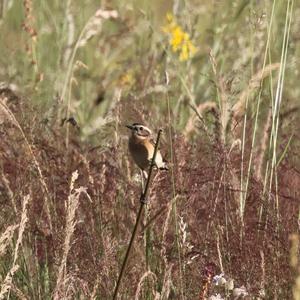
(221, 78)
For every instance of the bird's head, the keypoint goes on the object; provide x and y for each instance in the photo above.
(139, 131)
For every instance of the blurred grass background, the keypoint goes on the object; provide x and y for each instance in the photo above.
(217, 76)
(132, 50)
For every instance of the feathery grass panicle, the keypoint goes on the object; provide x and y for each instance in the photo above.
(255, 83)
(22, 225)
(167, 281)
(222, 99)
(9, 191)
(7, 283)
(146, 275)
(94, 25)
(6, 238)
(72, 205)
(191, 124)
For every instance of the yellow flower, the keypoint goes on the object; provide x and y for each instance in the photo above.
(187, 50)
(179, 40)
(184, 54)
(177, 36)
(127, 79)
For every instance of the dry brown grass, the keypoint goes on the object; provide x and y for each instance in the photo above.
(93, 214)
(7, 282)
(230, 116)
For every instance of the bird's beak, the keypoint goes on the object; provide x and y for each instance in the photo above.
(129, 126)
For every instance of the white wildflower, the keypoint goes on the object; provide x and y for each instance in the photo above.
(219, 280)
(239, 292)
(216, 297)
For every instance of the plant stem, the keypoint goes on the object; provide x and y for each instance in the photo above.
(143, 202)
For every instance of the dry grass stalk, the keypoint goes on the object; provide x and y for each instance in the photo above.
(294, 250)
(109, 253)
(167, 282)
(29, 19)
(263, 274)
(4, 108)
(71, 32)
(95, 290)
(190, 125)
(94, 25)
(18, 292)
(224, 115)
(140, 284)
(219, 253)
(71, 222)
(22, 225)
(182, 231)
(168, 267)
(5, 113)
(263, 145)
(72, 205)
(7, 283)
(233, 179)
(166, 223)
(6, 238)
(239, 107)
(87, 166)
(9, 191)
(28, 26)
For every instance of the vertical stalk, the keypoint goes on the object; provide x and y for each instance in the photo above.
(143, 201)
(174, 205)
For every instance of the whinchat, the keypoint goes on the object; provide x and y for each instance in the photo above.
(141, 148)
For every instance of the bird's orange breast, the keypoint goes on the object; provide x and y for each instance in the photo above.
(141, 152)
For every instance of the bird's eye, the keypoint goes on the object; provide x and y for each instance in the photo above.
(141, 128)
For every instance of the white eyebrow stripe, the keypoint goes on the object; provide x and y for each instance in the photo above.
(137, 126)
(147, 129)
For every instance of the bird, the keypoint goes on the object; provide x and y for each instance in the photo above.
(141, 148)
